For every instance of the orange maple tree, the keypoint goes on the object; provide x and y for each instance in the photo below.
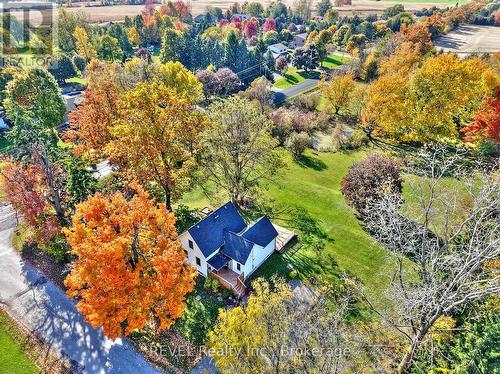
(26, 189)
(130, 269)
(91, 121)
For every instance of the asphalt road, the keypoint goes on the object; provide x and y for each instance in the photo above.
(281, 96)
(44, 308)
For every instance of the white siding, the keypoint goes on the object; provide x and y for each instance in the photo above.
(233, 265)
(193, 253)
(257, 256)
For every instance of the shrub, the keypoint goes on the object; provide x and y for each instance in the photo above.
(357, 140)
(298, 144)
(369, 179)
(212, 284)
(308, 101)
(58, 248)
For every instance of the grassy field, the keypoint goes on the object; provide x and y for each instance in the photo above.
(333, 61)
(313, 184)
(294, 76)
(12, 358)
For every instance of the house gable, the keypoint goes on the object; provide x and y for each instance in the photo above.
(262, 232)
(209, 232)
(223, 239)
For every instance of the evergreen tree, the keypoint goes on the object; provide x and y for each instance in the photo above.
(171, 46)
(231, 50)
(118, 32)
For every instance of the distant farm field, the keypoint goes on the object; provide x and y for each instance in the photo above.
(99, 14)
(468, 39)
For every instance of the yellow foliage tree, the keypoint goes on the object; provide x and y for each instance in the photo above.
(401, 62)
(384, 110)
(133, 36)
(155, 136)
(242, 332)
(426, 106)
(83, 45)
(175, 76)
(338, 91)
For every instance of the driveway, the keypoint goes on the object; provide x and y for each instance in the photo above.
(44, 308)
(283, 95)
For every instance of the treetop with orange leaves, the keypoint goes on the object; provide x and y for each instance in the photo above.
(130, 270)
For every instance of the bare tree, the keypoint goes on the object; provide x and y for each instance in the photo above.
(445, 251)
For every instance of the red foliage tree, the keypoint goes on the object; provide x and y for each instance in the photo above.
(181, 9)
(269, 24)
(223, 22)
(250, 29)
(486, 125)
(147, 12)
(26, 189)
(236, 22)
(369, 179)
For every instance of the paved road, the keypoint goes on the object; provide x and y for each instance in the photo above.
(44, 308)
(281, 96)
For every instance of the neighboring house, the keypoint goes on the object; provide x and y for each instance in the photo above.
(299, 40)
(224, 247)
(204, 17)
(278, 49)
(242, 17)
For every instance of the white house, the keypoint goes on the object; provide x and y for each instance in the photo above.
(278, 49)
(242, 17)
(224, 247)
(299, 40)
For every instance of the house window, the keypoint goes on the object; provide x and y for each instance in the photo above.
(186, 252)
(238, 267)
(198, 261)
(190, 243)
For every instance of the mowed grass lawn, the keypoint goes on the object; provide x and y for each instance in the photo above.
(294, 76)
(333, 61)
(13, 360)
(314, 185)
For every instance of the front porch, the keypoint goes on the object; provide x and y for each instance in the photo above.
(229, 280)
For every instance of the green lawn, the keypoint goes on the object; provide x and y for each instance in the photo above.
(313, 184)
(12, 358)
(333, 61)
(78, 80)
(294, 76)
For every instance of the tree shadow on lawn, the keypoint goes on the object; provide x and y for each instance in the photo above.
(312, 74)
(315, 163)
(292, 79)
(333, 61)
